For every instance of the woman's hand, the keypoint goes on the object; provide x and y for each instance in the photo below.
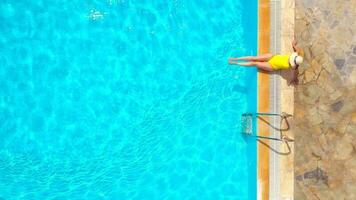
(294, 45)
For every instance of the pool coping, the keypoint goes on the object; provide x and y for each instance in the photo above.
(286, 163)
(275, 96)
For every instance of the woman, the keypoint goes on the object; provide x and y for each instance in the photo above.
(269, 62)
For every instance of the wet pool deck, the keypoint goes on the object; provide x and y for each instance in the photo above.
(263, 106)
(325, 105)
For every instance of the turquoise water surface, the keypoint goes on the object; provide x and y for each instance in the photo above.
(126, 99)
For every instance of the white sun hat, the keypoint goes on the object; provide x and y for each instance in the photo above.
(295, 60)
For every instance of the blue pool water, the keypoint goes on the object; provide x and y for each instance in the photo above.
(126, 99)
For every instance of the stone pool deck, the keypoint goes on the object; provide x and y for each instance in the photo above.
(324, 122)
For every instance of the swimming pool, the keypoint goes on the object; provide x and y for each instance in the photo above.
(120, 99)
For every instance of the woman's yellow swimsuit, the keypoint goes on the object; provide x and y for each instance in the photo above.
(279, 62)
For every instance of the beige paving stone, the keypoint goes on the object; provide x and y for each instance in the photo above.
(353, 117)
(335, 95)
(351, 165)
(350, 190)
(316, 66)
(314, 117)
(343, 149)
(323, 80)
(342, 125)
(326, 99)
(309, 75)
(324, 143)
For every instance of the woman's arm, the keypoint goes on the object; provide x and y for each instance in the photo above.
(294, 45)
(296, 48)
(294, 79)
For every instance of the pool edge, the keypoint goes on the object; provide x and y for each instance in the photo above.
(286, 163)
(274, 95)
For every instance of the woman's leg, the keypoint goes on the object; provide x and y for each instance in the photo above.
(264, 66)
(260, 58)
(260, 65)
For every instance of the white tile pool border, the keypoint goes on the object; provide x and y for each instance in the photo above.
(275, 47)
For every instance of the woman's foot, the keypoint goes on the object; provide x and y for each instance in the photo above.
(234, 59)
(233, 62)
